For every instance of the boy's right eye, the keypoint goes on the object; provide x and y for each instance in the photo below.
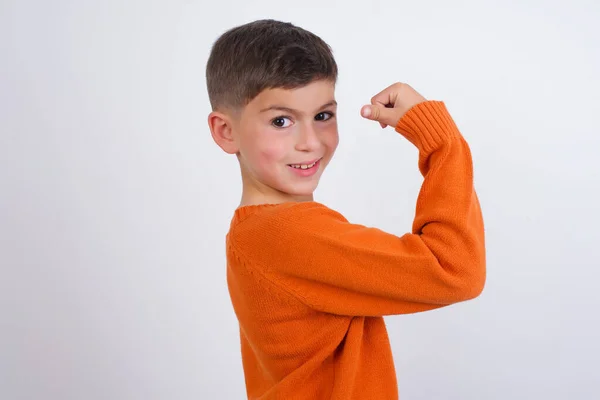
(281, 122)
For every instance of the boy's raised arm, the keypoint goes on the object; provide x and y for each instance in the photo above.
(332, 265)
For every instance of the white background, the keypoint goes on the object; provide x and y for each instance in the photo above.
(114, 201)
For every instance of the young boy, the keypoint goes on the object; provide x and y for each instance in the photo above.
(309, 288)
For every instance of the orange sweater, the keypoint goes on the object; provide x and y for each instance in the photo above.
(310, 289)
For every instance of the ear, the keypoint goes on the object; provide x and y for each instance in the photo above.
(221, 129)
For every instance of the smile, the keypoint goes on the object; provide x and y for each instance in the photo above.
(304, 166)
(306, 169)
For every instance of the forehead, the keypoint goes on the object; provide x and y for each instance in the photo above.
(305, 98)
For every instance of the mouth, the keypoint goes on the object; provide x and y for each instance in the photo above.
(307, 165)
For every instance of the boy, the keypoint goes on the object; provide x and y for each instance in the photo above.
(309, 288)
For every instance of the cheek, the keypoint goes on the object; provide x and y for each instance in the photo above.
(270, 157)
(331, 139)
(271, 152)
(261, 147)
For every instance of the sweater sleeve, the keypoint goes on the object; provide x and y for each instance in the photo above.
(332, 265)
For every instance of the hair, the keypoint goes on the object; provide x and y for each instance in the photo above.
(265, 54)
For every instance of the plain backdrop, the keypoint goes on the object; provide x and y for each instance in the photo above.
(115, 202)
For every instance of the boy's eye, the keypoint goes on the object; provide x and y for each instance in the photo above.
(324, 116)
(281, 122)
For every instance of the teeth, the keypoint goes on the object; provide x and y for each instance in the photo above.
(303, 166)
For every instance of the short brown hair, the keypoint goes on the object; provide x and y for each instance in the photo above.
(261, 55)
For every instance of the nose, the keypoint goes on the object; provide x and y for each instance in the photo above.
(308, 139)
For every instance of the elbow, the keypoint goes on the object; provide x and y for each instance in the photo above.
(472, 283)
(474, 287)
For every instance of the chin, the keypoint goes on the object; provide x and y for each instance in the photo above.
(299, 190)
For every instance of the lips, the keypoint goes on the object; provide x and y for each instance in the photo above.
(306, 169)
(305, 165)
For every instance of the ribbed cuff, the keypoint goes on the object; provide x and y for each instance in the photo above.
(428, 126)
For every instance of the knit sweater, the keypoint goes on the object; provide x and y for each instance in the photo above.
(310, 289)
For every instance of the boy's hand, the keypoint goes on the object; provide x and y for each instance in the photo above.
(389, 105)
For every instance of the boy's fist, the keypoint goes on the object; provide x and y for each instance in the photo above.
(389, 105)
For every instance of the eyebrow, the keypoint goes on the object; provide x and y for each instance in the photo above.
(292, 111)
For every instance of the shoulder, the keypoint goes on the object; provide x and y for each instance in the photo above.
(270, 226)
(285, 216)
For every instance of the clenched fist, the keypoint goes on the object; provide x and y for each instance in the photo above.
(389, 105)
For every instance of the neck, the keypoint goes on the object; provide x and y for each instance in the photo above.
(251, 196)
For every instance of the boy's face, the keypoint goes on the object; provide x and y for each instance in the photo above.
(285, 139)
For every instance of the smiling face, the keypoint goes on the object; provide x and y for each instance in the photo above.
(284, 140)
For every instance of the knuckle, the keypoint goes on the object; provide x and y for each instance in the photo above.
(376, 112)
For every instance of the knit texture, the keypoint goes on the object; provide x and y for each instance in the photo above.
(310, 289)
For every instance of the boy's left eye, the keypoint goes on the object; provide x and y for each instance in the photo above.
(323, 116)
